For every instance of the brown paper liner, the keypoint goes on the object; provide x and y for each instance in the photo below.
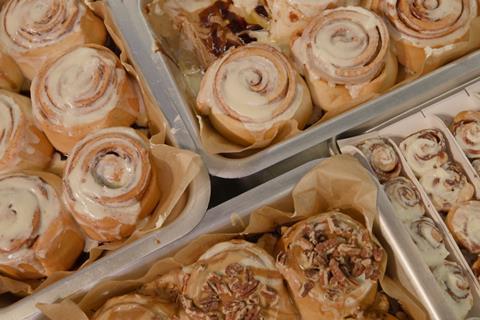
(337, 183)
(178, 169)
(214, 143)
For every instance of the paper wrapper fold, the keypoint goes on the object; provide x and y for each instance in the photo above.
(337, 183)
(177, 168)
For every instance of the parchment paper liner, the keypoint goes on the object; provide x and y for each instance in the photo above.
(178, 168)
(337, 183)
(215, 143)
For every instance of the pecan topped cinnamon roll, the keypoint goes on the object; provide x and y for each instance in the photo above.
(425, 150)
(447, 186)
(331, 264)
(456, 288)
(382, 157)
(466, 129)
(235, 280)
(405, 198)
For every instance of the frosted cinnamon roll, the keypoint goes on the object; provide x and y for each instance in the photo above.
(33, 30)
(250, 92)
(447, 186)
(405, 199)
(22, 145)
(11, 77)
(429, 241)
(425, 150)
(235, 280)
(331, 264)
(37, 236)
(435, 30)
(463, 221)
(135, 306)
(289, 16)
(344, 54)
(84, 89)
(466, 129)
(455, 287)
(383, 158)
(110, 183)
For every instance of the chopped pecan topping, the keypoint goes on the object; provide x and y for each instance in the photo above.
(337, 257)
(234, 295)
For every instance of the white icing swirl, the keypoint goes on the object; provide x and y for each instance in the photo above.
(382, 157)
(466, 129)
(447, 186)
(429, 23)
(405, 198)
(425, 150)
(80, 87)
(455, 287)
(429, 241)
(106, 175)
(343, 46)
(464, 223)
(29, 24)
(255, 85)
(28, 205)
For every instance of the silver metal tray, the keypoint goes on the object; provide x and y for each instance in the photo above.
(161, 75)
(218, 219)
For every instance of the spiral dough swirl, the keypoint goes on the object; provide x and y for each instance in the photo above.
(107, 177)
(466, 129)
(344, 46)
(405, 198)
(429, 23)
(464, 223)
(383, 158)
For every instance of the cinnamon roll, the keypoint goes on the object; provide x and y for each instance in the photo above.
(405, 199)
(466, 129)
(11, 77)
(425, 150)
(455, 287)
(463, 221)
(235, 280)
(429, 240)
(476, 165)
(37, 236)
(447, 186)
(289, 16)
(84, 89)
(435, 30)
(250, 92)
(33, 30)
(383, 158)
(110, 183)
(331, 264)
(344, 55)
(135, 306)
(22, 145)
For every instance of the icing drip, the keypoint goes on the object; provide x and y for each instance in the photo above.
(405, 199)
(107, 173)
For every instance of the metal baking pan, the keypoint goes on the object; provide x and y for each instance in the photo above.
(161, 75)
(218, 219)
(121, 259)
